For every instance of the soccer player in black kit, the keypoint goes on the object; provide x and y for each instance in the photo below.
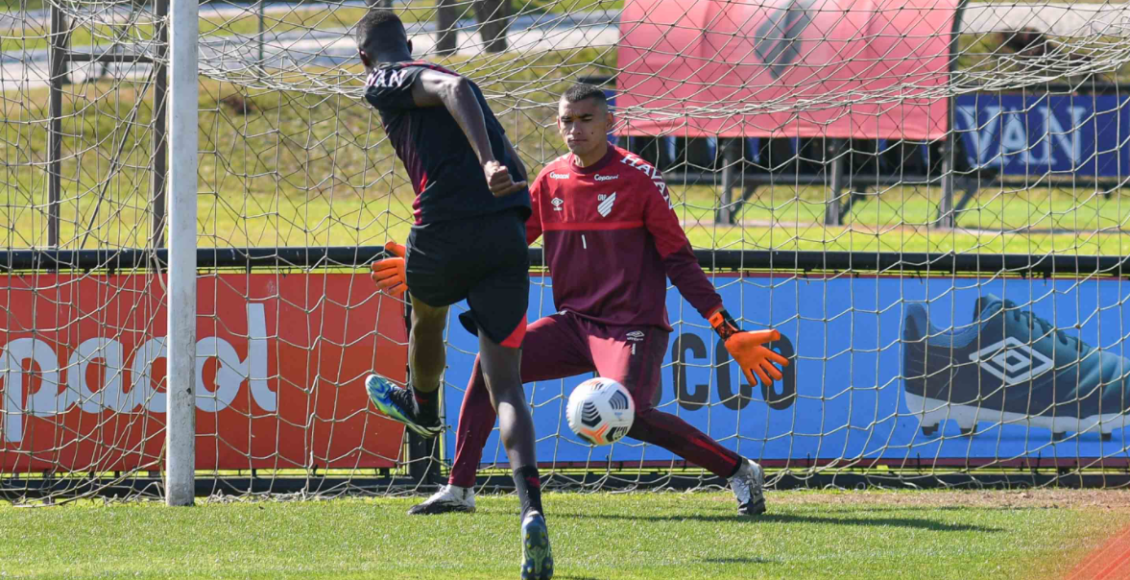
(468, 242)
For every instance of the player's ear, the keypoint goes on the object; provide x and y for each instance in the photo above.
(409, 47)
(364, 58)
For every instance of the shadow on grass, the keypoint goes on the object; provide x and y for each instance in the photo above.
(924, 524)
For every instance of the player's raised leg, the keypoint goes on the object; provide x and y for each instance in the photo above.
(418, 406)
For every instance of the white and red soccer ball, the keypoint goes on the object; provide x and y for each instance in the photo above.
(600, 411)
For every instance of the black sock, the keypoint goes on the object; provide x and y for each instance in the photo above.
(427, 406)
(737, 468)
(528, 485)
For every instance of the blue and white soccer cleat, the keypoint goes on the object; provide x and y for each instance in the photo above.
(1010, 366)
(399, 404)
(537, 557)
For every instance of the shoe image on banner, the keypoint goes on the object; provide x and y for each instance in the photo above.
(1010, 367)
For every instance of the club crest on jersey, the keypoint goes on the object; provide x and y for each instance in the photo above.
(600, 177)
(553, 175)
(557, 202)
(606, 202)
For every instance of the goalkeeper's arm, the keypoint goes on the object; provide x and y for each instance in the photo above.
(682, 269)
(747, 348)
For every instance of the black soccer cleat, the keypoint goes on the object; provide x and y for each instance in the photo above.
(1010, 367)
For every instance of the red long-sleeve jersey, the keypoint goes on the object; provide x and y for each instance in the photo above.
(612, 240)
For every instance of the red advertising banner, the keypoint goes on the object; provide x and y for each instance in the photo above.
(786, 68)
(281, 361)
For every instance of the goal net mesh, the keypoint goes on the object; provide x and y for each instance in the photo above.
(809, 128)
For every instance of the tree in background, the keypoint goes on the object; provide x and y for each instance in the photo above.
(493, 17)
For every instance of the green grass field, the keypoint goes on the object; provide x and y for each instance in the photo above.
(924, 534)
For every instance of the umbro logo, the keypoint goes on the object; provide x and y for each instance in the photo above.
(600, 177)
(553, 175)
(557, 202)
(635, 336)
(1012, 361)
(606, 202)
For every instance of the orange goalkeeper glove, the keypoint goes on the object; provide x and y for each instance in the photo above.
(389, 273)
(748, 350)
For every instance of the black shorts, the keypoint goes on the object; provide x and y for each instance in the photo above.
(484, 260)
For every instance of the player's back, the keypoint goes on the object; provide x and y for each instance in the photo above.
(443, 168)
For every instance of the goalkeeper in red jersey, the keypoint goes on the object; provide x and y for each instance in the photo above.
(611, 243)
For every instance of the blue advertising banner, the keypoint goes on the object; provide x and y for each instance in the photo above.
(884, 368)
(1084, 135)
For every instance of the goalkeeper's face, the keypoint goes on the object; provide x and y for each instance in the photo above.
(584, 126)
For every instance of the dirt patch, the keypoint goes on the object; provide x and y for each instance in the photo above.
(1114, 499)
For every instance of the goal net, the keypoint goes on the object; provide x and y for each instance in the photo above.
(924, 197)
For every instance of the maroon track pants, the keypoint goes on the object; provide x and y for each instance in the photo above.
(566, 345)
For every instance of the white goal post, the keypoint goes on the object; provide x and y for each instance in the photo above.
(184, 38)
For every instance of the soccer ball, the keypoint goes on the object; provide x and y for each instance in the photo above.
(600, 411)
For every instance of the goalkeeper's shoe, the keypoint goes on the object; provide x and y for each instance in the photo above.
(450, 498)
(1010, 366)
(749, 488)
(537, 557)
(399, 404)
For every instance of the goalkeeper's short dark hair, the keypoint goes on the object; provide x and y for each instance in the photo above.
(583, 91)
(381, 30)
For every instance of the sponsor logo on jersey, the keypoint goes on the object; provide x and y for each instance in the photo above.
(1012, 361)
(553, 175)
(635, 336)
(600, 177)
(650, 171)
(557, 202)
(606, 202)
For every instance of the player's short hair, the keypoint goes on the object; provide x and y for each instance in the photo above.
(381, 31)
(582, 91)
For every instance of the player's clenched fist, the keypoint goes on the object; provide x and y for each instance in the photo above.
(389, 273)
(499, 180)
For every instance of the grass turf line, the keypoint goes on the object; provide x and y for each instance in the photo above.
(635, 535)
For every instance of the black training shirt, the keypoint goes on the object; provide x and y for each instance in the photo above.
(443, 168)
